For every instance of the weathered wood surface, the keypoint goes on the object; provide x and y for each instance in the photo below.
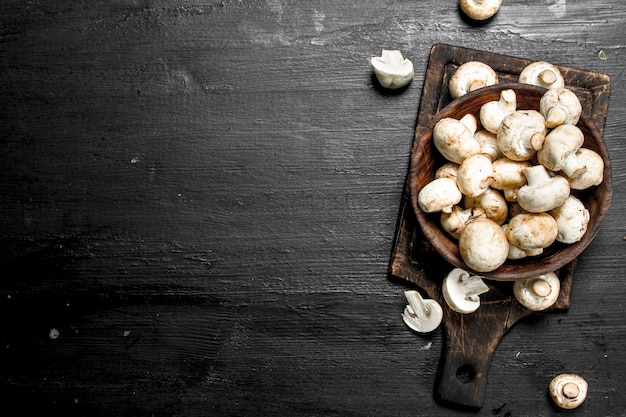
(199, 203)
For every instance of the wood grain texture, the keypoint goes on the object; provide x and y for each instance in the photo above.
(199, 202)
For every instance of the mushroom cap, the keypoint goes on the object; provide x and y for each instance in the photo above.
(538, 293)
(488, 144)
(480, 9)
(492, 113)
(560, 106)
(483, 245)
(471, 76)
(492, 203)
(542, 192)
(454, 140)
(392, 69)
(559, 150)
(543, 74)
(440, 194)
(594, 172)
(568, 391)
(474, 175)
(529, 231)
(572, 219)
(521, 134)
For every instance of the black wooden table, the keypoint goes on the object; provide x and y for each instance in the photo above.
(199, 202)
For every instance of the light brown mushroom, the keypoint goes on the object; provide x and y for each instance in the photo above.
(455, 221)
(508, 176)
(543, 74)
(491, 202)
(447, 170)
(454, 139)
(542, 192)
(594, 172)
(558, 152)
(471, 76)
(440, 194)
(483, 245)
(462, 291)
(572, 219)
(474, 175)
(529, 231)
(488, 144)
(521, 134)
(480, 9)
(560, 106)
(492, 113)
(568, 391)
(421, 314)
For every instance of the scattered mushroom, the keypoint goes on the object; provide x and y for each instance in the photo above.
(483, 245)
(491, 202)
(543, 74)
(568, 391)
(480, 9)
(454, 139)
(455, 221)
(471, 76)
(572, 219)
(559, 150)
(542, 192)
(421, 315)
(440, 194)
(521, 134)
(560, 106)
(492, 113)
(474, 175)
(392, 69)
(462, 291)
(530, 231)
(594, 172)
(538, 293)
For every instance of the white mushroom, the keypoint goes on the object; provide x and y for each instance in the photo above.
(454, 140)
(471, 76)
(491, 202)
(480, 9)
(521, 134)
(492, 113)
(474, 175)
(559, 150)
(538, 293)
(542, 191)
(440, 194)
(594, 173)
(392, 69)
(462, 291)
(447, 170)
(517, 253)
(568, 391)
(508, 173)
(488, 144)
(560, 106)
(455, 221)
(421, 315)
(529, 231)
(483, 245)
(572, 219)
(542, 74)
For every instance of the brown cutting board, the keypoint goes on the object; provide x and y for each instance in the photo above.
(470, 340)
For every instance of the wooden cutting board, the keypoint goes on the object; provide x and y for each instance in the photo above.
(470, 340)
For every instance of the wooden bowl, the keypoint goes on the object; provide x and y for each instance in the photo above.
(425, 160)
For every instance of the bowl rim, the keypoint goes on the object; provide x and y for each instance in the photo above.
(510, 270)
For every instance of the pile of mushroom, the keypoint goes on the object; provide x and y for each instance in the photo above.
(505, 191)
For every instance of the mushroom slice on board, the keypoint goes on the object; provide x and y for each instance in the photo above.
(421, 315)
(462, 290)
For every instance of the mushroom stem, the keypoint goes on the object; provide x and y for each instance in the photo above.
(547, 76)
(570, 390)
(418, 308)
(473, 286)
(541, 287)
